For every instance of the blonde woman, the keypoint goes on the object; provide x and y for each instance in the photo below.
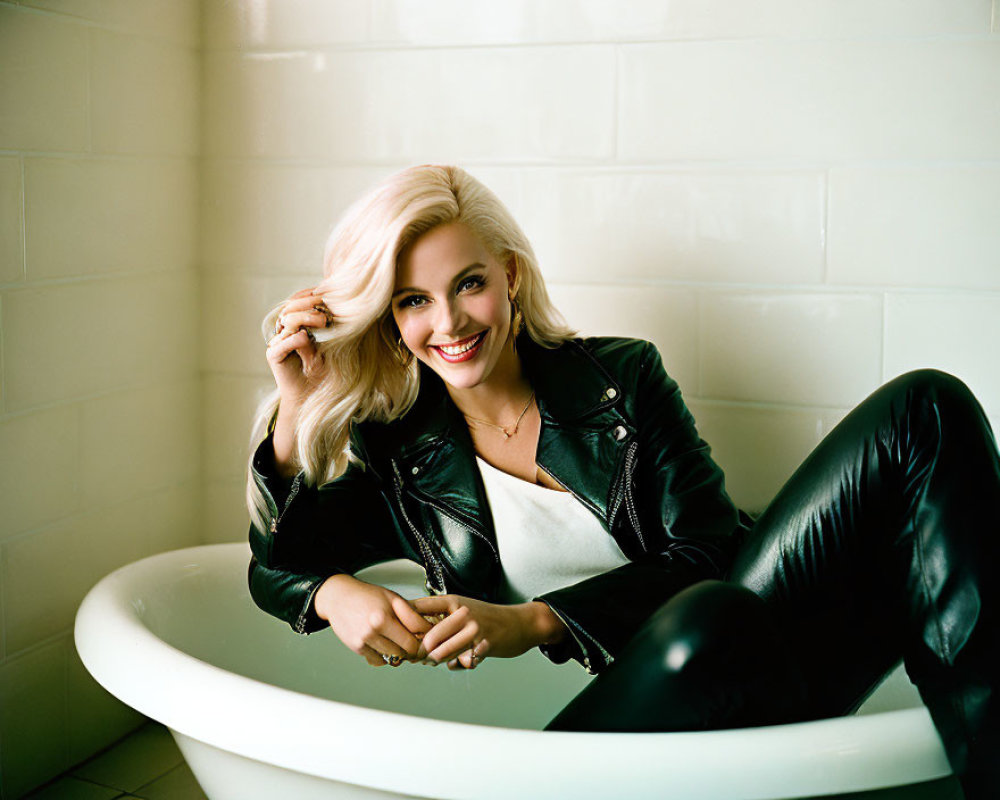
(431, 404)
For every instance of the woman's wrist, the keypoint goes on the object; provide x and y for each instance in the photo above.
(322, 600)
(547, 627)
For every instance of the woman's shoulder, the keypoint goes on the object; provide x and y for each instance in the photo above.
(619, 355)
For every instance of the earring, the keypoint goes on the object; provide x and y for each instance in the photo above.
(516, 318)
(403, 355)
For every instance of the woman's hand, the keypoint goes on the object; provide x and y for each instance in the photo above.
(292, 357)
(371, 620)
(474, 629)
(291, 353)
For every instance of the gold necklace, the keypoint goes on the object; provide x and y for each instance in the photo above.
(506, 433)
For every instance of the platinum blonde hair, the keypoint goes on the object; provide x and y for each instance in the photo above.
(360, 375)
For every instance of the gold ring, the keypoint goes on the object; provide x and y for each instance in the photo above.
(326, 312)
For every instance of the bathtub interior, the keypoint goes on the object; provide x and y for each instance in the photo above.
(237, 636)
(230, 632)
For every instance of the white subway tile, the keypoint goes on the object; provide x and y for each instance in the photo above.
(488, 22)
(809, 100)
(33, 718)
(668, 317)
(226, 515)
(703, 226)
(176, 21)
(138, 440)
(229, 405)
(40, 468)
(233, 307)
(450, 105)
(11, 227)
(48, 572)
(86, 217)
(275, 218)
(797, 349)
(143, 96)
(43, 82)
(175, 517)
(285, 23)
(95, 717)
(957, 333)
(67, 341)
(930, 226)
(757, 448)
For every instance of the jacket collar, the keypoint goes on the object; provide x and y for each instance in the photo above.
(570, 385)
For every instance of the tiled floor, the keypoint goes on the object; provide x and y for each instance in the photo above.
(145, 764)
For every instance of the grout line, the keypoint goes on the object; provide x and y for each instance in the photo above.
(825, 235)
(383, 46)
(88, 98)
(885, 336)
(616, 107)
(24, 220)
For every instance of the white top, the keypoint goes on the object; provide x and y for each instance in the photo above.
(547, 539)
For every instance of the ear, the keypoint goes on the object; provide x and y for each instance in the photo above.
(513, 274)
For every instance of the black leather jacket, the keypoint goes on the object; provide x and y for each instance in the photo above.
(614, 432)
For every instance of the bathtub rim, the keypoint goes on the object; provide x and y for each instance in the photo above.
(822, 757)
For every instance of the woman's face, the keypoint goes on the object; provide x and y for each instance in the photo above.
(451, 304)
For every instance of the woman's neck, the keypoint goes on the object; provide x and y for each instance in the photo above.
(501, 397)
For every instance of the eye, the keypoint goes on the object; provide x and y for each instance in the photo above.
(412, 301)
(470, 282)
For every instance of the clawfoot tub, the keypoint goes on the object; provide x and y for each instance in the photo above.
(260, 712)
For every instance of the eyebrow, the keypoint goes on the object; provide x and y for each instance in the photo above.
(457, 278)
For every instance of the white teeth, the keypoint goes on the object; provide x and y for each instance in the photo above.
(457, 350)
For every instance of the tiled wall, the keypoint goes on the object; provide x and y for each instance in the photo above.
(100, 415)
(796, 201)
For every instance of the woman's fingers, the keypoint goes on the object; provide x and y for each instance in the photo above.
(471, 658)
(384, 645)
(285, 343)
(450, 637)
(303, 319)
(372, 656)
(435, 604)
(413, 620)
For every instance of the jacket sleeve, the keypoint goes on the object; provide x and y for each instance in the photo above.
(695, 526)
(314, 532)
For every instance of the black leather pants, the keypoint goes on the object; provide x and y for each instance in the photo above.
(884, 545)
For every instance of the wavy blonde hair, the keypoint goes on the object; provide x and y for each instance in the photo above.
(360, 375)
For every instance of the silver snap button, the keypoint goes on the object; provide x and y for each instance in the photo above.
(415, 470)
(619, 433)
(611, 393)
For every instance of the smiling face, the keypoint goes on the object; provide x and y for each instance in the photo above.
(451, 305)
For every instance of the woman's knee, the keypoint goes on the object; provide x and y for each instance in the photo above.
(935, 386)
(707, 623)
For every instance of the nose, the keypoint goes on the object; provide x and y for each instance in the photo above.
(450, 318)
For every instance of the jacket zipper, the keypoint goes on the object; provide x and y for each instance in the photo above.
(425, 549)
(633, 514)
(296, 485)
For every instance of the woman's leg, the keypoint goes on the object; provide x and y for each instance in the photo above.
(879, 547)
(886, 544)
(711, 657)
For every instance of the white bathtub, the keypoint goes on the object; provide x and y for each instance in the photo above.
(260, 712)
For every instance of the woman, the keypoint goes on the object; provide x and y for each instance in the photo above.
(432, 405)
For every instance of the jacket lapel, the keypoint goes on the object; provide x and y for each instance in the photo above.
(433, 455)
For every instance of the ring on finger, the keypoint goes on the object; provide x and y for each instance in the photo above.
(392, 661)
(326, 312)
